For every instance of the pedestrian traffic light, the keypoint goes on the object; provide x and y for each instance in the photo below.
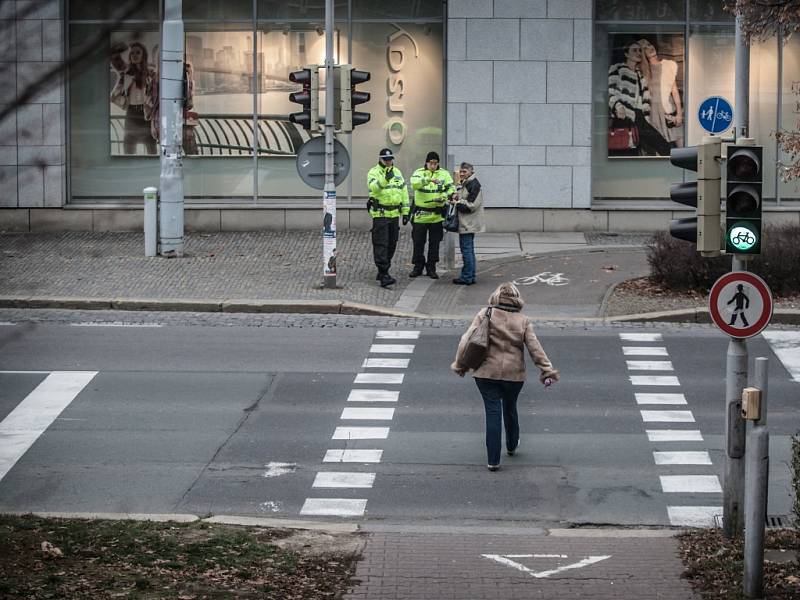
(347, 96)
(704, 194)
(308, 98)
(743, 186)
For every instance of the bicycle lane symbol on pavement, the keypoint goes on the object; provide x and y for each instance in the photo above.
(508, 560)
(545, 277)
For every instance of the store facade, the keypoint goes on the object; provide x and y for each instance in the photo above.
(526, 90)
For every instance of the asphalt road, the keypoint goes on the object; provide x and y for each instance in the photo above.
(237, 420)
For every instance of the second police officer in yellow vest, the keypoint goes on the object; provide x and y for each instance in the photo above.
(388, 200)
(433, 187)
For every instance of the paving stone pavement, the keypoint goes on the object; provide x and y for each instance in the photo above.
(403, 566)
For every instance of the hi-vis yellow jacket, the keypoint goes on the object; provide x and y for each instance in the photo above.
(387, 192)
(431, 192)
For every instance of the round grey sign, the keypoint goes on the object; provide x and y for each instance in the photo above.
(311, 162)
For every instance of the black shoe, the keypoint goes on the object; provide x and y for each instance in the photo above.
(493, 467)
(415, 273)
(514, 451)
(460, 281)
(378, 277)
(433, 274)
(387, 281)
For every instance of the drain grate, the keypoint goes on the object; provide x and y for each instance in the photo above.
(772, 522)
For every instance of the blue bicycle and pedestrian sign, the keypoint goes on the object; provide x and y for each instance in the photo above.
(715, 114)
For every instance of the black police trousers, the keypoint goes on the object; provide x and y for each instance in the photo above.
(385, 231)
(433, 233)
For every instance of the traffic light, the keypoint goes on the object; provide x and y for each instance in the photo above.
(308, 118)
(743, 185)
(347, 96)
(704, 194)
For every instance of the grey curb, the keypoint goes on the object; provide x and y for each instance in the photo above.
(782, 316)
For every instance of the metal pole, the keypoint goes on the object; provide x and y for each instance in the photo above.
(449, 236)
(329, 193)
(757, 482)
(171, 137)
(741, 119)
(736, 364)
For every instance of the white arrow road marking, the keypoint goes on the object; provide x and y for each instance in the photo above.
(786, 346)
(505, 559)
(23, 426)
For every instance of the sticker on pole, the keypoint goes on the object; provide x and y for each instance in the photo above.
(740, 304)
(715, 114)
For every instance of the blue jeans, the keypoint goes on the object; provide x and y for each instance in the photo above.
(466, 241)
(500, 402)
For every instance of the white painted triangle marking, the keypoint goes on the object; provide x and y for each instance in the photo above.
(505, 559)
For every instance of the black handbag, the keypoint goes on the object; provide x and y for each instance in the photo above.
(451, 218)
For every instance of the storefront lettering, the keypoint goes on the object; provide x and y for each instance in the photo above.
(396, 57)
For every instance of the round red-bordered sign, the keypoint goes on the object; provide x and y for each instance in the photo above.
(741, 312)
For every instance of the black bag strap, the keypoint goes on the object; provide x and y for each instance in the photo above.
(489, 313)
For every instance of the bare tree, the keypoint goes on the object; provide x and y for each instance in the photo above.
(760, 20)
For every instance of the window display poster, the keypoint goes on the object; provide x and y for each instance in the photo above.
(645, 94)
(221, 80)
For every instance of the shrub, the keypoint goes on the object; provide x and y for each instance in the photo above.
(677, 264)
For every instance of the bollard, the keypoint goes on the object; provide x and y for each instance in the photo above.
(756, 484)
(150, 221)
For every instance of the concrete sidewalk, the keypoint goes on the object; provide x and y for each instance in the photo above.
(282, 272)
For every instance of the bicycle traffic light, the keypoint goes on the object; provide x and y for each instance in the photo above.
(308, 98)
(347, 96)
(703, 194)
(743, 187)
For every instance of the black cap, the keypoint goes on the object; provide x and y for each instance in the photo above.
(432, 156)
(385, 154)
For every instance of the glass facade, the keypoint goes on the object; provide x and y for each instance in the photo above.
(239, 145)
(644, 104)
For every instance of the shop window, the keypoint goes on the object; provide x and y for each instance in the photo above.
(703, 10)
(96, 10)
(640, 10)
(790, 110)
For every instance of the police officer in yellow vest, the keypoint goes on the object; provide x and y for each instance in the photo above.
(388, 200)
(432, 189)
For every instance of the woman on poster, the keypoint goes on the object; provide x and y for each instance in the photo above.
(132, 92)
(666, 108)
(629, 101)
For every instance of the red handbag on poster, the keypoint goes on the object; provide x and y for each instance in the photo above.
(623, 138)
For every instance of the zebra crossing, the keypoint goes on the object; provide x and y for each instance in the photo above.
(668, 422)
(362, 410)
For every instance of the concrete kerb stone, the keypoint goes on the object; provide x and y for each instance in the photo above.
(282, 306)
(282, 523)
(69, 303)
(167, 304)
(109, 516)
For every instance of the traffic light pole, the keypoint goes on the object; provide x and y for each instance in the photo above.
(171, 102)
(736, 359)
(329, 191)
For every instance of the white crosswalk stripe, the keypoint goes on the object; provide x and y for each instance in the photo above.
(649, 365)
(367, 414)
(353, 456)
(373, 396)
(334, 507)
(692, 484)
(786, 346)
(644, 398)
(339, 479)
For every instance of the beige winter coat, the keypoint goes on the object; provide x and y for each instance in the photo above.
(470, 195)
(509, 334)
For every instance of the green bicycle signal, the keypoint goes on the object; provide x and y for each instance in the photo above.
(743, 237)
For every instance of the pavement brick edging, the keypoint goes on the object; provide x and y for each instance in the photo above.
(340, 307)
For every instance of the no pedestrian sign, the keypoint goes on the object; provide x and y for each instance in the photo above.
(740, 304)
(715, 114)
